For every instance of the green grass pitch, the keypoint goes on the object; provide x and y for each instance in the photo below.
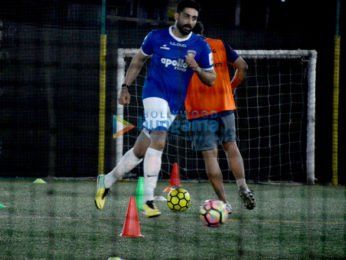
(58, 220)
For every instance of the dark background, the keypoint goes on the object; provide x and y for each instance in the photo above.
(41, 32)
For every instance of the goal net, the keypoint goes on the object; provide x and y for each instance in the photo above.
(275, 120)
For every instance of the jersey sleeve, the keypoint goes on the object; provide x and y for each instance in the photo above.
(232, 56)
(147, 47)
(205, 59)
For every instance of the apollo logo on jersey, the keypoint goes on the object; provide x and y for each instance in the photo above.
(177, 64)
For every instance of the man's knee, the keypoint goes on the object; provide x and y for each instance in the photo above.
(215, 175)
(141, 145)
(230, 147)
(158, 140)
(139, 152)
(158, 144)
(210, 154)
(232, 152)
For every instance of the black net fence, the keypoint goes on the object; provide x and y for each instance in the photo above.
(50, 75)
(271, 124)
(49, 127)
(49, 91)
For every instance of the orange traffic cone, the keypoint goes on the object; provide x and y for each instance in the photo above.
(175, 178)
(131, 226)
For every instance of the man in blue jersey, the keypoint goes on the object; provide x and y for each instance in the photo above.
(176, 53)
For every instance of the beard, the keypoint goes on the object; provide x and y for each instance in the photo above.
(184, 29)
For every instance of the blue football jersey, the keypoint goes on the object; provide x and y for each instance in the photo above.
(169, 75)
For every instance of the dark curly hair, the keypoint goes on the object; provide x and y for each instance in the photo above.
(188, 4)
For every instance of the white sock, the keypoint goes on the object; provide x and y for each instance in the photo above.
(126, 164)
(242, 183)
(152, 167)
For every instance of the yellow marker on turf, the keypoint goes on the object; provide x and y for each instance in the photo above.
(39, 181)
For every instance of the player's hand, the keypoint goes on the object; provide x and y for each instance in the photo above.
(191, 62)
(125, 97)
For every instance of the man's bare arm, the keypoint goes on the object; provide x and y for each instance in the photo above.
(135, 67)
(241, 67)
(206, 76)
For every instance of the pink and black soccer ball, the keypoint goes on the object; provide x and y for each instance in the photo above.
(213, 213)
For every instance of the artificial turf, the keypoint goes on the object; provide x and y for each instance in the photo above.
(58, 220)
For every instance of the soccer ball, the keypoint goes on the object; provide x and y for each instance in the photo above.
(213, 213)
(178, 199)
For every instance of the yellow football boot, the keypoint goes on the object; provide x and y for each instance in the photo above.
(102, 192)
(150, 210)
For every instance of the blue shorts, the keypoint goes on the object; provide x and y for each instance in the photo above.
(208, 133)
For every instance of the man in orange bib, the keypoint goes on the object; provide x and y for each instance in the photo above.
(211, 112)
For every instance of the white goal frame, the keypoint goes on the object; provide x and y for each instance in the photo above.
(311, 55)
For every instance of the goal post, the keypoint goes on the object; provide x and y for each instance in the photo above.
(121, 71)
(275, 119)
(310, 148)
(311, 55)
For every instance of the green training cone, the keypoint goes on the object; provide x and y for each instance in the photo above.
(140, 193)
(2, 206)
(39, 181)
